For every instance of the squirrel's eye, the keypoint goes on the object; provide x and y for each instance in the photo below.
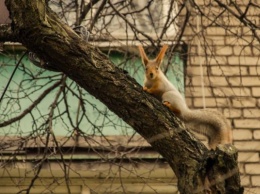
(157, 68)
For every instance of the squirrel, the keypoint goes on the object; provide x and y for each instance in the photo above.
(210, 123)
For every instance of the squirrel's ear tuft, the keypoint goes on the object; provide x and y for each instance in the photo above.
(145, 59)
(160, 56)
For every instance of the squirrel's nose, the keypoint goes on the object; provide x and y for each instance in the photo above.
(151, 75)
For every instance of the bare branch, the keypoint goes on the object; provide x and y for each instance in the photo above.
(253, 27)
(95, 18)
(130, 24)
(30, 108)
(86, 10)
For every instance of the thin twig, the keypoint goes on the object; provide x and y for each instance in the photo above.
(10, 79)
(29, 109)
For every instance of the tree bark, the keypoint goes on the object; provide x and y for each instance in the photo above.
(40, 31)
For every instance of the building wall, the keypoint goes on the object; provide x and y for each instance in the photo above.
(229, 55)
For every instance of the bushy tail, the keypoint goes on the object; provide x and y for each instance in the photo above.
(210, 123)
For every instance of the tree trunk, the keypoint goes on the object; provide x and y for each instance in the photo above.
(40, 30)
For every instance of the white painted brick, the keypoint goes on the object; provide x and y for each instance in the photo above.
(252, 168)
(247, 57)
(216, 81)
(232, 113)
(244, 102)
(242, 134)
(233, 40)
(254, 70)
(210, 81)
(193, 70)
(218, 40)
(243, 60)
(247, 145)
(251, 81)
(217, 60)
(224, 50)
(245, 180)
(246, 39)
(255, 50)
(215, 31)
(256, 134)
(188, 101)
(256, 91)
(229, 70)
(195, 60)
(251, 190)
(230, 40)
(251, 112)
(241, 168)
(248, 157)
(229, 92)
(247, 123)
(235, 81)
(243, 50)
(255, 181)
(244, 81)
(197, 92)
(212, 102)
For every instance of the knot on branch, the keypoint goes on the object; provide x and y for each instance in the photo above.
(220, 170)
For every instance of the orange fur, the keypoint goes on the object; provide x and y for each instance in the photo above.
(208, 122)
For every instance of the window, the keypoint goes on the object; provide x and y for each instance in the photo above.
(133, 19)
(26, 97)
(125, 20)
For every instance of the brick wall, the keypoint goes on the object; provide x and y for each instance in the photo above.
(230, 58)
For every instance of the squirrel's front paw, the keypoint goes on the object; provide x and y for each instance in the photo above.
(148, 90)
